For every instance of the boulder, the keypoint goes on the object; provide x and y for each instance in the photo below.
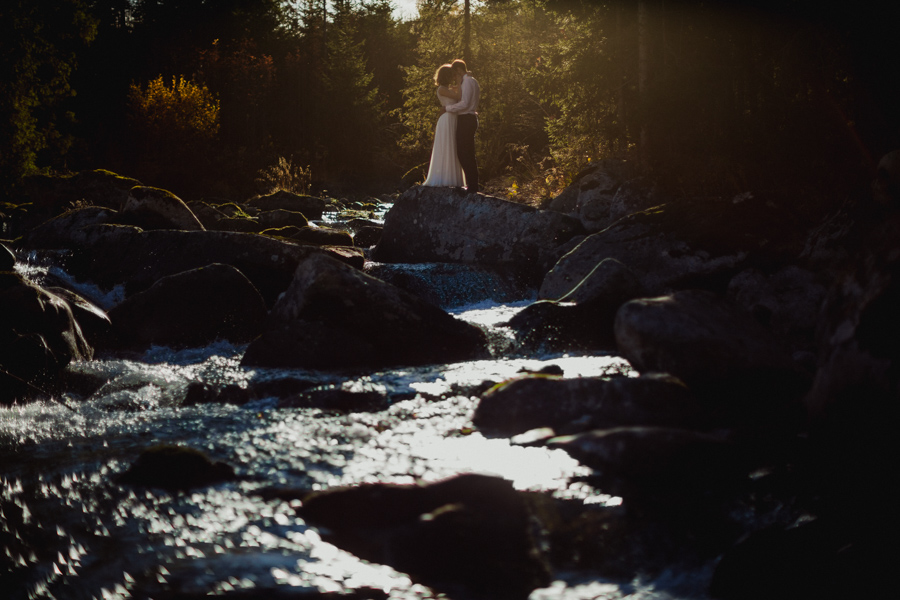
(788, 302)
(429, 224)
(39, 336)
(238, 224)
(451, 285)
(602, 194)
(723, 355)
(207, 214)
(815, 559)
(190, 309)
(93, 320)
(568, 405)
(583, 318)
(87, 188)
(67, 230)
(686, 244)
(853, 404)
(367, 236)
(610, 278)
(310, 206)
(470, 530)
(110, 255)
(175, 469)
(154, 208)
(859, 334)
(335, 316)
(658, 468)
(273, 219)
(314, 236)
(7, 258)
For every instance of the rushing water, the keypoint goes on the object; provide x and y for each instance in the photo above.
(67, 530)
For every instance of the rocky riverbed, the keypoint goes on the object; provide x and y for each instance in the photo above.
(446, 395)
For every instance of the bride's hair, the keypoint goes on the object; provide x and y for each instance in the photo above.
(444, 75)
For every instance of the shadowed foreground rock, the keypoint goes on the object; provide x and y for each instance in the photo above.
(681, 245)
(191, 309)
(175, 468)
(662, 468)
(39, 336)
(538, 401)
(471, 530)
(335, 316)
(724, 356)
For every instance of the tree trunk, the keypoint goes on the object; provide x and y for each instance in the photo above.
(643, 76)
(467, 30)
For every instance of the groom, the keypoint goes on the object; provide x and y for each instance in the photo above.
(467, 123)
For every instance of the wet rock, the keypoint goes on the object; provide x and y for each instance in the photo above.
(610, 278)
(449, 285)
(93, 320)
(585, 403)
(39, 336)
(335, 316)
(337, 399)
(7, 258)
(368, 236)
(310, 206)
(154, 208)
(470, 530)
(112, 255)
(724, 356)
(274, 219)
(429, 224)
(685, 244)
(583, 318)
(175, 469)
(203, 393)
(666, 470)
(193, 308)
(614, 542)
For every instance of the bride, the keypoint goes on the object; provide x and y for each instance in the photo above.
(445, 169)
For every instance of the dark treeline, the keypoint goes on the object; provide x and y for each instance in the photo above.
(703, 97)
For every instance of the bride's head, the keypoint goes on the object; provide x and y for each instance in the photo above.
(444, 75)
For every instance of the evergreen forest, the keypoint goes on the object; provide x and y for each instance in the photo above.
(221, 98)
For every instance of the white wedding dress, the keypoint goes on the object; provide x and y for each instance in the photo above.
(445, 169)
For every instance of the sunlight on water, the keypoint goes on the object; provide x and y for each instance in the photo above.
(44, 270)
(527, 468)
(76, 529)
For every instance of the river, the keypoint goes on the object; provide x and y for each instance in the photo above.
(68, 531)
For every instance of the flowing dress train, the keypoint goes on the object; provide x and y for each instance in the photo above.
(444, 169)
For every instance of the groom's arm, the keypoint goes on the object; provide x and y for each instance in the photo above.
(465, 102)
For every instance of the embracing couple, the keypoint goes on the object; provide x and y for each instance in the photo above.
(453, 154)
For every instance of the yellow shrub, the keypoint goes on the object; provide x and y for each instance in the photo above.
(184, 111)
